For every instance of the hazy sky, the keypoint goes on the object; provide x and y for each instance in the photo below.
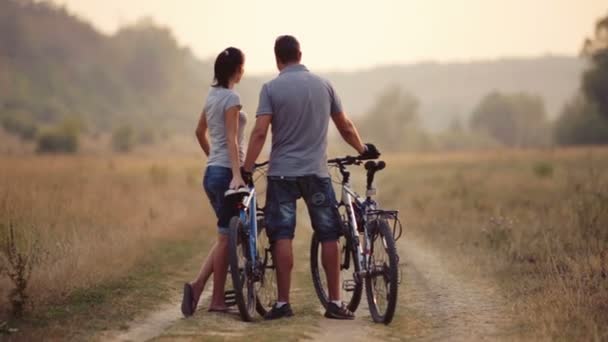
(352, 34)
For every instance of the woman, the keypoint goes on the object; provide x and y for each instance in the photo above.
(223, 118)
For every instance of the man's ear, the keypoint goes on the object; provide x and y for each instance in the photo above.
(279, 64)
(299, 56)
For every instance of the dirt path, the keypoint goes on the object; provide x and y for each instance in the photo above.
(154, 324)
(449, 305)
(460, 307)
(436, 302)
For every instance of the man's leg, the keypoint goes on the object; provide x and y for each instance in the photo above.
(330, 257)
(321, 202)
(280, 216)
(283, 258)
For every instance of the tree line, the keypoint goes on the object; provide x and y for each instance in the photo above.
(503, 119)
(61, 78)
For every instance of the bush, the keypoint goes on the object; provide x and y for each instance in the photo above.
(62, 139)
(543, 169)
(123, 139)
(17, 259)
(20, 124)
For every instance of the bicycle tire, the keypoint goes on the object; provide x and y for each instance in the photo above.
(238, 258)
(387, 271)
(347, 250)
(266, 293)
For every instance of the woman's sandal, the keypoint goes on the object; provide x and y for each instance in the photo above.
(188, 304)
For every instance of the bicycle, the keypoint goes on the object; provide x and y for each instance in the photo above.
(368, 253)
(250, 259)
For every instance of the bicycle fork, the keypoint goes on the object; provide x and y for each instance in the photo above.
(363, 250)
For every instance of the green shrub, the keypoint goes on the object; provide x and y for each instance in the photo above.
(20, 124)
(543, 169)
(58, 140)
(123, 139)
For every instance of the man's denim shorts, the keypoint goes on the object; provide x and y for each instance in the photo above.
(216, 182)
(317, 192)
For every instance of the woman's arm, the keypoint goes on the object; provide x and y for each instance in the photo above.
(201, 133)
(232, 129)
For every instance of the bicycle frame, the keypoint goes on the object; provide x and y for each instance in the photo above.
(348, 196)
(250, 223)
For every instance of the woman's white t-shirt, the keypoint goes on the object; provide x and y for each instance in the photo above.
(219, 100)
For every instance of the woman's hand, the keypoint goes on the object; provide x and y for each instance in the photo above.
(237, 182)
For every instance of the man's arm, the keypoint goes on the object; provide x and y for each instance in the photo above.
(256, 141)
(201, 133)
(348, 131)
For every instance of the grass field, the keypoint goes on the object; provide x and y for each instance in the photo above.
(100, 231)
(536, 221)
(89, 221)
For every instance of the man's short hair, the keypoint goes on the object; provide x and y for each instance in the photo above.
(287, 49)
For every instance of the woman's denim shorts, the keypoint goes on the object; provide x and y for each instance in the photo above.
(216, 182)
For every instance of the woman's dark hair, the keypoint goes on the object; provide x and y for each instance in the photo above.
(227, 64)
(287, 49)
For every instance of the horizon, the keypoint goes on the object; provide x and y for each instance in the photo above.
(561, 35)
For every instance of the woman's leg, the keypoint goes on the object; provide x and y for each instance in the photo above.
(198, 285)
(220, 268)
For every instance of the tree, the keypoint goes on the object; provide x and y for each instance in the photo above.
(580, 123)
(595, 78)
(392, 122)
(517, 120)
(584, 120)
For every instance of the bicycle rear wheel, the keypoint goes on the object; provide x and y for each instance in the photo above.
(240, 270)
(350, 289)
(381, 282)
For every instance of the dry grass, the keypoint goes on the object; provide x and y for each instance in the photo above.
(95, 218)
(537, 221)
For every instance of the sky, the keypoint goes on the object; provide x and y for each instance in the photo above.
(345, 35)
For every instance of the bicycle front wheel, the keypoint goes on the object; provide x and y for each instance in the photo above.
(382, 279)
(240, 270)
(266, 287)
(350, 288)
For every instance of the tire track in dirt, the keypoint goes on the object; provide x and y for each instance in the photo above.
(459, 307)
(455, 307)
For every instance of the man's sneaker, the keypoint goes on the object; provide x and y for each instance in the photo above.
(275, 313)
(338, 312)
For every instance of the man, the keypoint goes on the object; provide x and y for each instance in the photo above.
(298, 105)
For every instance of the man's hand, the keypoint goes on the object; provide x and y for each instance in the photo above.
(371, 152)
(247, 176)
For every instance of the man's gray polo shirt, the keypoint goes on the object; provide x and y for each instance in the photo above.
(301, 104)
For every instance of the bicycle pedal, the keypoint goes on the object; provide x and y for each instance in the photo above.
(349, 285)
(230, 301)
(230, 298)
